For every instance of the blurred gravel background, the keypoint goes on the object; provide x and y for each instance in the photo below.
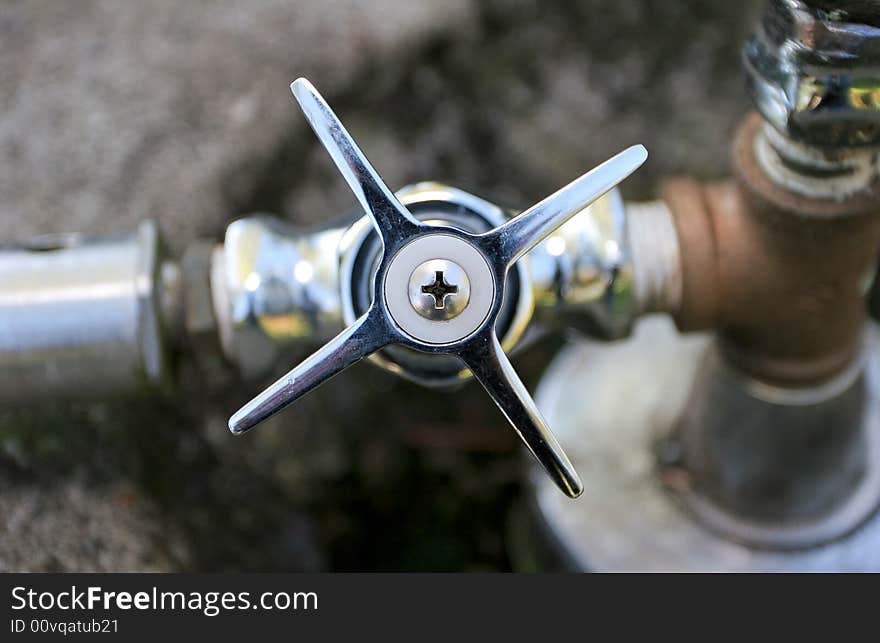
(117, 111)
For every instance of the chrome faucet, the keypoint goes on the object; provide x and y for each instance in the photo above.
(396, 315)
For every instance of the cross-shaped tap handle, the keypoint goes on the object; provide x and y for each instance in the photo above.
(462, 276)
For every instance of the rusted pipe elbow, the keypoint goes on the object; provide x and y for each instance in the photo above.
(782, 277)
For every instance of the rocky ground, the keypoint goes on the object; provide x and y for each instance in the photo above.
(113, 112)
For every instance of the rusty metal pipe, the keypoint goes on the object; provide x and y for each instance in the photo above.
(781, 277)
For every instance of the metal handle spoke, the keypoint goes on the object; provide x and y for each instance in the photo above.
(489, 364)
(363, 338)
(522, 233)
(377, 200)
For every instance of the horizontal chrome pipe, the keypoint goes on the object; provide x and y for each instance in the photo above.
(80, 317)
(96, 317)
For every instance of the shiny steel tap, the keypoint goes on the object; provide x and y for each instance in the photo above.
(476, 262)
